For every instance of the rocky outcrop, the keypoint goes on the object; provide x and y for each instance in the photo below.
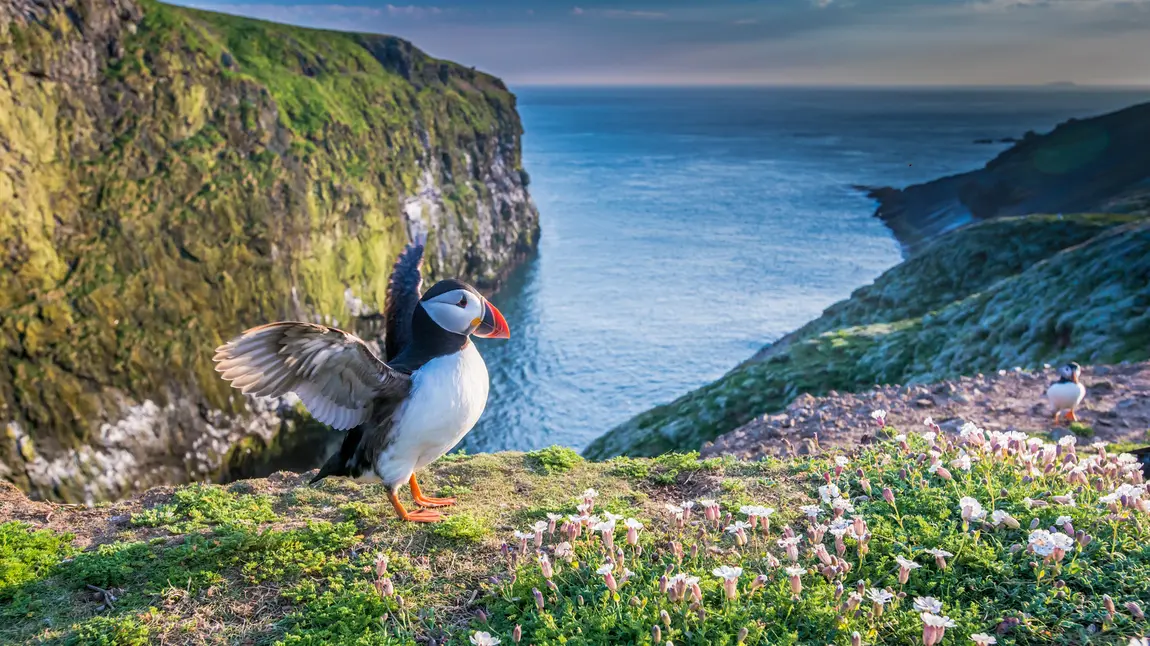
(1009, 292)
(1116, 411)
(1101, 164)
(169, 177)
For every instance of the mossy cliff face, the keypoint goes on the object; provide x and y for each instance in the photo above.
(1007, 292)
(171, 177)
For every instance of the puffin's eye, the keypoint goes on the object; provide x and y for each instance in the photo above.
(462, 302)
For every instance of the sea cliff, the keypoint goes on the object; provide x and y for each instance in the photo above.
(169, 177)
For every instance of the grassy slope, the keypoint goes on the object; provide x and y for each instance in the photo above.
(1004, 293)
(206, 173)
(276, 562)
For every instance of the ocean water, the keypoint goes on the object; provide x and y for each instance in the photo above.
(685, 228)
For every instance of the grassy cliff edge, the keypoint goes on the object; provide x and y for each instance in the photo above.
(174, 176)
(1003, 293)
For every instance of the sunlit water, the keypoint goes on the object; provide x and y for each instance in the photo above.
(683, 229)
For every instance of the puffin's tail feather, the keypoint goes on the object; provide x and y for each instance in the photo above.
(344, 461)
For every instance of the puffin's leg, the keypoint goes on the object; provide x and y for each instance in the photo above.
(424, 501)
(1070, 416)
(417, 516)
(1056, 414)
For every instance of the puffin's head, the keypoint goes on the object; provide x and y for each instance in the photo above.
(1071, 371)
(458, 308)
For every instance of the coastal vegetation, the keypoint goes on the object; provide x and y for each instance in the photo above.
(1005, 293)
(923, 537)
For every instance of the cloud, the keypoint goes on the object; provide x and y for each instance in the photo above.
(822, 4)
(620, 13)
(412, 11)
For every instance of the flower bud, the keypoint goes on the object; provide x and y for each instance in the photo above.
(517, 634)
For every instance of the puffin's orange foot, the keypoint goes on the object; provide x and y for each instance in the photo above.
(417, 516)
(1056, 415)
(1071, 417)
(424, 501)
(423, 516)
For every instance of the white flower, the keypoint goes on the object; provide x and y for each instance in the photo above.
(756, 510)
(734, 527)
(880, 597)
(928, 421)
(930, 436)
(590, 493)
(843, 504)
(687, 504)
(935, 621)
(1062, 520)
(796, 570)
(971, 509)
(789, 542)
(727, 572)
(829, 492)
(961, 462)
(707, 502)
(631, 523)
(841, 460)
(840, 527)
(906, 563)
(605, 526)
(674, 509)
(522, 535)
(683, 578)
(937, 553)
(901, 437)
(812, 511)
(612, 517)
(878, 414)
(1068, 440)
(927, 604)
(1040, 541)
(605, 569)
(982, 639)
(540, 526)
(480, 638)
(554, 517)
(563, 549)
(1061, 541)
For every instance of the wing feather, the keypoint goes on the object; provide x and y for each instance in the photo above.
(334, 373)
(403, 291)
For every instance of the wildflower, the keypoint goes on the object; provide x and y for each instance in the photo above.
(758, 582)
(633, 526)
(1066, 499)
(841, 506)
(480, 638)
(551, 520)
(1135, 610)
(384, 586)
(841, 461)
(940, 556)
(606, 531)
(940, 471)
(888, 495)
(934, 627)
(517, 634)
(756, 513)
(961, 463)
(828, 492)
(607, 572)
(538, 598)
(539, 527)
(929, 421)
(687, 506)
(523, 538)
(710, 510)
(1000, 517)
(738, 528)
(563, 550)
(982, 639)
(971, 509)
(879, 416)
(795, 573)
(927, 604)
(904, 568)
(879, 598)
(674, 509)
(838, 529)
(678, 585)
(730, 577)
(545, 566)
(856, 639)
(589, 494)
(812, 511)
(791, 545)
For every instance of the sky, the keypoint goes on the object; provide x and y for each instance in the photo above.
(750, 42)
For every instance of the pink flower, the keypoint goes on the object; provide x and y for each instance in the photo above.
(607, 571)
(730, 577)
(545, 566)
(633, 526)
(904, 568)
(934, 628)
(795, 574)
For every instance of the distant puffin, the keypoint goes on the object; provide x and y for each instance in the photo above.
(1066, 393)
(400, 415)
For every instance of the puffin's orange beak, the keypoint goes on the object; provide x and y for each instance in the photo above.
(493, 325)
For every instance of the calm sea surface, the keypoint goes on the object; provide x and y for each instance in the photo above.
(685, 228)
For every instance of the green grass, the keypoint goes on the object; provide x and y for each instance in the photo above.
(310, 577)
(554, 459)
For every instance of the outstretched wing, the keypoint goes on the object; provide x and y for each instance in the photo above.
(402, 299)
(333, 372)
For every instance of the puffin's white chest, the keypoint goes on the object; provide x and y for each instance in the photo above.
(448, 394)
(1065, 395)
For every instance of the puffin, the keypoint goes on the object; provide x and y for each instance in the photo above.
(400, 413)
(1066, 393)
